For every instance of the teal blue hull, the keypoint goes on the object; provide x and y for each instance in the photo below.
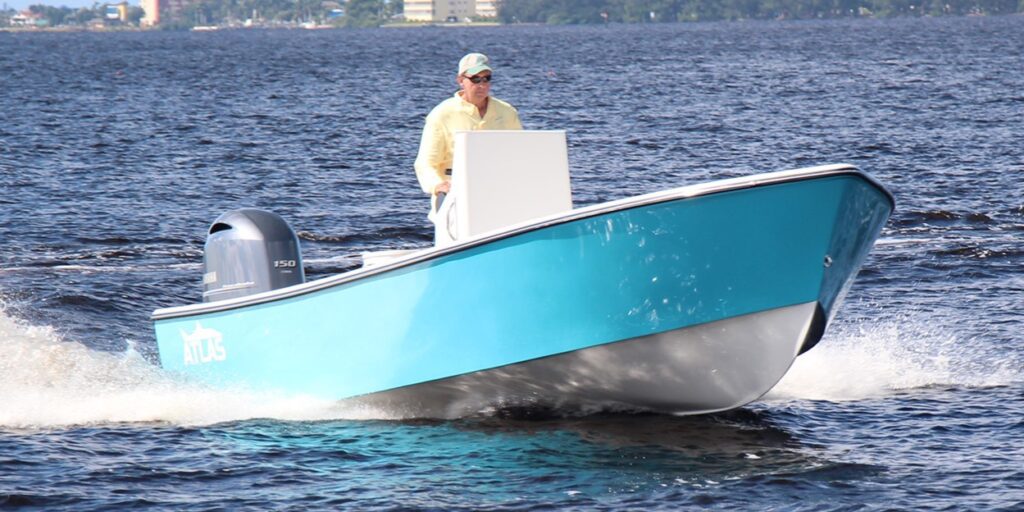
(565, 286)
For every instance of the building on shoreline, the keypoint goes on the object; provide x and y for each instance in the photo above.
(28, 18)
(152, 10)
(445, 10)
(117, 13)
(157, 11)
(487, 8)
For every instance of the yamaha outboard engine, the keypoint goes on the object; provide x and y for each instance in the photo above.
(249, 251)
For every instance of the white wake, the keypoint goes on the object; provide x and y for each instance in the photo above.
(47, 381)
(877, 358)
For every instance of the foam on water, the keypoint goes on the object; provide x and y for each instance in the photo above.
(870, 360)
(47, 381)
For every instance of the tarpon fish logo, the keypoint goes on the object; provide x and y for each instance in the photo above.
(203, 345)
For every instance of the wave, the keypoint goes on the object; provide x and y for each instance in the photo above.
(916, 218)
(876, 359)
(399, 233)
(48, 381)
(32, 267)
(981, 253)
(1000, 242)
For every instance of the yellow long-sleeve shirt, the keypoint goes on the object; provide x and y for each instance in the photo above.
(452, 115)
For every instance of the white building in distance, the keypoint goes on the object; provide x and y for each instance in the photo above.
(442, 10)
(487, 8)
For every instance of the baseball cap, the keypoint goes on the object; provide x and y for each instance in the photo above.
(474, 63)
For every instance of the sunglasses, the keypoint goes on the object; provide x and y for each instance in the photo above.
(482, 78)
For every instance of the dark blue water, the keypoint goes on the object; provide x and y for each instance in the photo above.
(117, 151)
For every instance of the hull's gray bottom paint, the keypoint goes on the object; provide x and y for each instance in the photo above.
(706, 368)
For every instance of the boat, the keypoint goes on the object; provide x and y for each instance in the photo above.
(691, 300)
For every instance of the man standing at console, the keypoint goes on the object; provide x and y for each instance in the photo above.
(471, 108)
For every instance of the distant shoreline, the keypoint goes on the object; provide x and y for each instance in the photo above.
(443, 24)
(479, 24)
(218, 28)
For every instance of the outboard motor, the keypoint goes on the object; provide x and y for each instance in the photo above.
(249, 251)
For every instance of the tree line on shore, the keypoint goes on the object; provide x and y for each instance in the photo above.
(357, 13)
(350, 13)
(646, 11)
(67, 16)
(367, 13)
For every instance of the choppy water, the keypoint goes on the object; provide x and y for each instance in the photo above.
(117, 150)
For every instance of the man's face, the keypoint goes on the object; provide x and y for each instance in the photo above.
(475, 92)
